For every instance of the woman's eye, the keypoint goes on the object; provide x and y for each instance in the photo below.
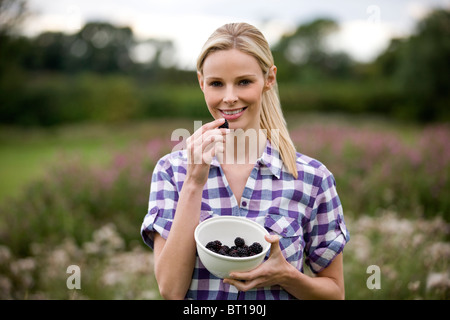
(244, 82)
(215, 84)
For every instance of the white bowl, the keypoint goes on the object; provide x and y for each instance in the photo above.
(226, 229)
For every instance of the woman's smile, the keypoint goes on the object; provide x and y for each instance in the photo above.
(232, 114)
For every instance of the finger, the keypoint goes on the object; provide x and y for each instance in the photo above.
(214, 124)
(272, 238)
(198, 146)
(206, 138)
(219, 149)
(249, 275)
(209, 126)
(213, 149)
(209, 141)
(274, 241)
(240, 285)
(199, 136)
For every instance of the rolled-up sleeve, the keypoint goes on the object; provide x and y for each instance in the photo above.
(162, 203)
(326, 232)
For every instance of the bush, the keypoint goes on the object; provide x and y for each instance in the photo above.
(75, 198)
(377, 168)
(412, 255)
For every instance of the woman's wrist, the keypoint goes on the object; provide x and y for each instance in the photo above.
(289, 275)
(191, 184)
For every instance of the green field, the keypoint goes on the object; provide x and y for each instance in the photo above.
(77, 194)
(26, 153)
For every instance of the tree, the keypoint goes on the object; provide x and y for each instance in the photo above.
(101, 47)
(420, 68)
(304, 55)
(12, 13)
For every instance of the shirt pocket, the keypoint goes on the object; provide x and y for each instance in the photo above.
(290, 233)
(206, 214)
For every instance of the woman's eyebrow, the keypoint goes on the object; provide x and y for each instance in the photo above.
(250, 75)
(213, 78)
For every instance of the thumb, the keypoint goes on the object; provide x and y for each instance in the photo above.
(274, 241)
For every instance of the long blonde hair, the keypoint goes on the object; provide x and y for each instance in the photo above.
(248, 39)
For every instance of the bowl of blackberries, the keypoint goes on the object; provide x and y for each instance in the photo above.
(228, 243)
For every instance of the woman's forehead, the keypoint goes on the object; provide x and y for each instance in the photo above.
(230, 61)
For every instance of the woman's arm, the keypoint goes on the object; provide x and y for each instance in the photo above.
(328, 284)
(175, 257)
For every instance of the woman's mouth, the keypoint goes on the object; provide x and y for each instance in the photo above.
(232, 114)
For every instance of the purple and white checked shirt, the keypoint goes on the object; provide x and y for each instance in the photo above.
(306, 212)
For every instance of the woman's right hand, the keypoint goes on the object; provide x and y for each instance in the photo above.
(202, 146)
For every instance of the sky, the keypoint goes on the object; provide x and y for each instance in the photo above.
(365, 26)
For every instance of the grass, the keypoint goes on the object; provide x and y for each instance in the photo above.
(80, 193)
(26, 153)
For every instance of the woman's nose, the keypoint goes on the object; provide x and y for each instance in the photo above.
(230, 97)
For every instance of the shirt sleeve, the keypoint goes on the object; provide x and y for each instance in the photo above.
(162, 203)
(326, 232)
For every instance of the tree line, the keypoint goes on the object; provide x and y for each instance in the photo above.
(56, 77)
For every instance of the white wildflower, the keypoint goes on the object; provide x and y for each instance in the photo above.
(5, 254)
(438, 251)
(438, 280)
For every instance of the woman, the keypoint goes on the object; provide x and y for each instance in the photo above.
(292, 195)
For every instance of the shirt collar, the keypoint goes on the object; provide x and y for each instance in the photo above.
(270, 159)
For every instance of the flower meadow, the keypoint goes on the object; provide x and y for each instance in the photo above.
(393, 184)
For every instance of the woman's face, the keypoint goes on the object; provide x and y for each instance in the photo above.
(233, 84)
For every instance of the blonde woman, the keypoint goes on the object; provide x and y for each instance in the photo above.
(291, 195)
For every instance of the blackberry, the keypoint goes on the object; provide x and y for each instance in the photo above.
(224, 250)
(239, 242)
(214, 245)
(210, 246)
(233, 253)
(256, 247)
(242, 252)
(240, 249)
(224, 125)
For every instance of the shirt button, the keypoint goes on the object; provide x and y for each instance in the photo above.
(153, 210)
(244, 203)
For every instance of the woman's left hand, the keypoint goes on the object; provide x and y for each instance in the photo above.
(274, 271)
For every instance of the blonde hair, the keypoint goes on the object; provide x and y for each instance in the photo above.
(248, 39)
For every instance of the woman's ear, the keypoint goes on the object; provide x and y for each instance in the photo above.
(200, 80)
(271, 78)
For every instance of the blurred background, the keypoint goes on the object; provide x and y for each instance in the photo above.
(90, 93)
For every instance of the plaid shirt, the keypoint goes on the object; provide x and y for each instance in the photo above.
(306, 212)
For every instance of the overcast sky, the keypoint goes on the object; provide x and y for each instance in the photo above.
(365, 26)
